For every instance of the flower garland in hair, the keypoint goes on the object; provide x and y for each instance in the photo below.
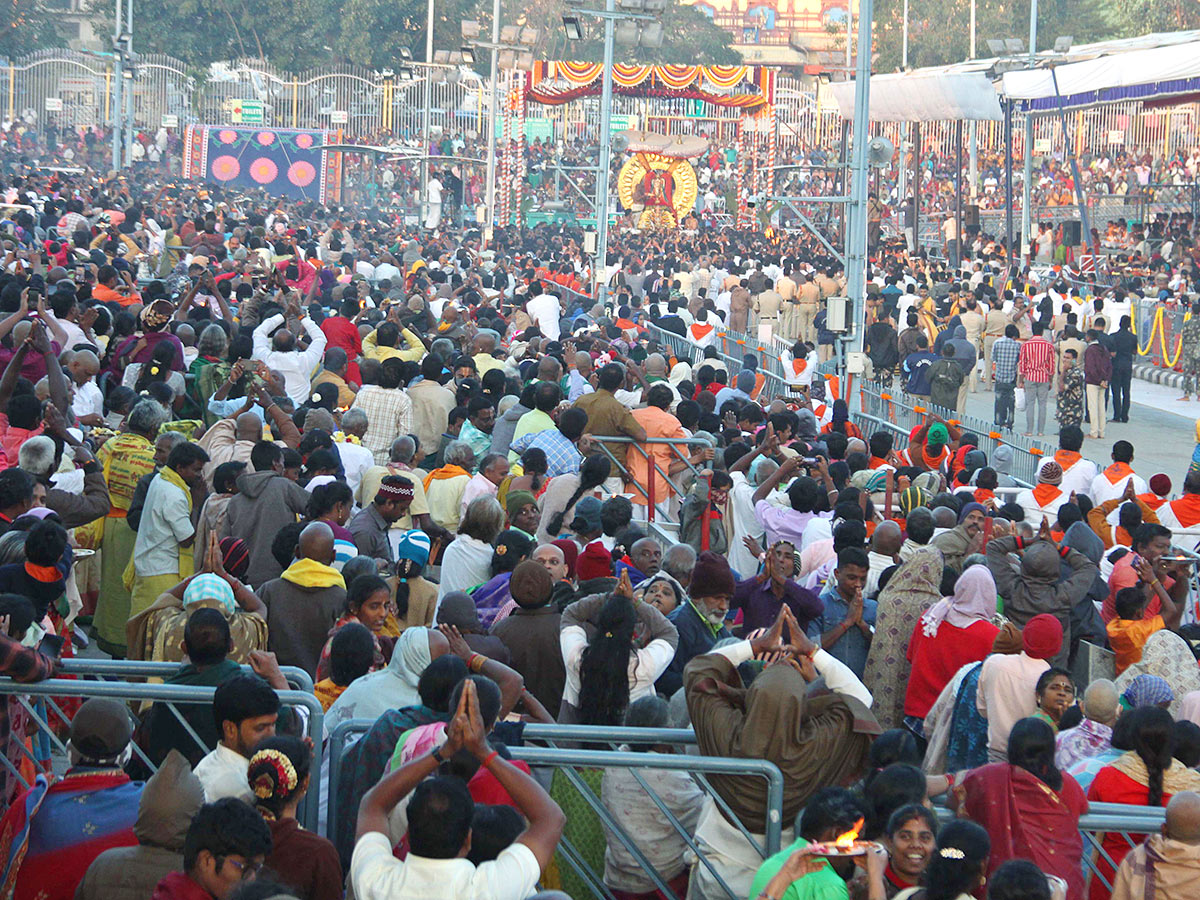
(342, 438)
(276, 776)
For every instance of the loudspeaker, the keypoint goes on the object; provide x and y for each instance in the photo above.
(1072, 233)
(971, 220)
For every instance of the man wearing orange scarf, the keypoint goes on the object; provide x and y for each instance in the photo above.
(445, 486)
(1110, 483)
(1078, 472)
(1043, 500)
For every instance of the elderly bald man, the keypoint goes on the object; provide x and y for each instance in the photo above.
(304, 602)
(1175, 871)
(482, 349)
(580, 375)
(88, 404)
(1091, 739)
(233, 438)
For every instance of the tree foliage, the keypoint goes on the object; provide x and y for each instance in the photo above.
(27, 25)
(299, 34)
(939, 30)
(1133, 17)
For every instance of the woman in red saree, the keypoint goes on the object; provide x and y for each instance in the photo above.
(1029, 808)
(1147, 775)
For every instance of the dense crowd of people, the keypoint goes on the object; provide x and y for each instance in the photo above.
(244, 436)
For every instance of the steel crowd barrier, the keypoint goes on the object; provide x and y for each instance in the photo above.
(170, 695)
(129, 669)
(899, 409)
(568, 760)
(684, 349)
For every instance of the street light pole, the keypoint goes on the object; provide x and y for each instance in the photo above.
(902, 186)
(423, 205)
(604, 163)
(1028, 169)
(856, 244)
(973, 169)
(491, 155)
(129, 126)
(118, 84)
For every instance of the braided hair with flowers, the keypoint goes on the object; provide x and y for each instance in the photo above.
(278, 775)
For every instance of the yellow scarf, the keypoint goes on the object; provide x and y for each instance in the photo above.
(312, 574)
(443, 473)
(169, 475)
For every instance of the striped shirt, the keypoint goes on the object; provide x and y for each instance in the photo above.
(1037, 360)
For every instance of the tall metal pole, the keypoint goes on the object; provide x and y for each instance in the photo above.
(974, 159)
(856, 258)
(1026, 212)
(428, 102)
(1008, 190)
(903, 178)
(604, 163)
(958, 192)
(129, 118)
(491, 155)
(118, 83)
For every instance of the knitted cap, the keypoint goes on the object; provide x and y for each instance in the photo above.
(1042, 636)
(530, 584)
(413, 545)
(1050, 473)
(594, 562)
(1160, 484)
(207, 586)
(711, 576)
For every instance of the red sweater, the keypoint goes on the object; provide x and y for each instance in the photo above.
(936, 659)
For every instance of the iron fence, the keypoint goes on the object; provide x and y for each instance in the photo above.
(48, 694)
(570, 762)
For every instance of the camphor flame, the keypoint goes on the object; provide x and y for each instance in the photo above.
(846, 841)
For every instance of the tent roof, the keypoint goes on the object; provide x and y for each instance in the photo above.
(924, 96)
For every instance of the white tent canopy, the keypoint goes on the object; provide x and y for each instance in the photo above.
(1140, 74)
(925, 95)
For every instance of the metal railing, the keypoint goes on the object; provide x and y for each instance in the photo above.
(129, 669)
(898, 412)
(647, 491)
(567, 760)
(682, 348)
(1157, 326)
(170, 695)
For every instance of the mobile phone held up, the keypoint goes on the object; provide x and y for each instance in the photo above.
(51, 645)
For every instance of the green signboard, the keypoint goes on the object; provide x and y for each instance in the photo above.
(536, 128)
(623, 123)
(246, 112)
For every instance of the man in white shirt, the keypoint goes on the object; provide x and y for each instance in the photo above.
(439, 824)
(282, 355)
(246, 709)
(545, 311)
(88, 404)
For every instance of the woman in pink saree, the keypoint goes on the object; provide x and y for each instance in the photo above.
(1030, 809)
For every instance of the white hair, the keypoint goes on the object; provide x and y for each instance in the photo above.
(36, 456)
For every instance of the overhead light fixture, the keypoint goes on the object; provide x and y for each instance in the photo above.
(625, 32)
(509, 34)
(525, 60)
(652, 35)
(654, 6)
(572, 28)
(406, 73)
(1014, 45)
(441, 57)
(405, 53)
(506, 59)
(632, 4)
(471, 30)
(454, 57)
(388, 73)
(468, 56)
(529, 36)
(995, 46)
(1062, 44)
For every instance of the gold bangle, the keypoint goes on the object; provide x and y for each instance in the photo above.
(477, 661)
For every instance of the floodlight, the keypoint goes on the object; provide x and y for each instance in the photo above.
(654, 6)
(1014, 45)
(529, 36)
(525, 60)
(468, 56)
(572, 27)
(509, 34)
(471, 30)
(506, 59)
(625, 32)
(632, 4)
(1063, 43)
(652, 35)
(995, 46)
(405, 53)
(441, 57)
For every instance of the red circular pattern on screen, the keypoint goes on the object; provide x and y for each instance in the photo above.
(266, 138)
(301, 173)
(226, 168)
(304, 141)
(227, 136)
(263, 170)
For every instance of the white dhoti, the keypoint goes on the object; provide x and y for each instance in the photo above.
(730, 853)
(434, 217)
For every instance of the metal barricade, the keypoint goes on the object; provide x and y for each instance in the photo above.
(774, 384)
(898, 409)
(170, 695)
(568, 760)
(1158, 326)
(129, 669)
